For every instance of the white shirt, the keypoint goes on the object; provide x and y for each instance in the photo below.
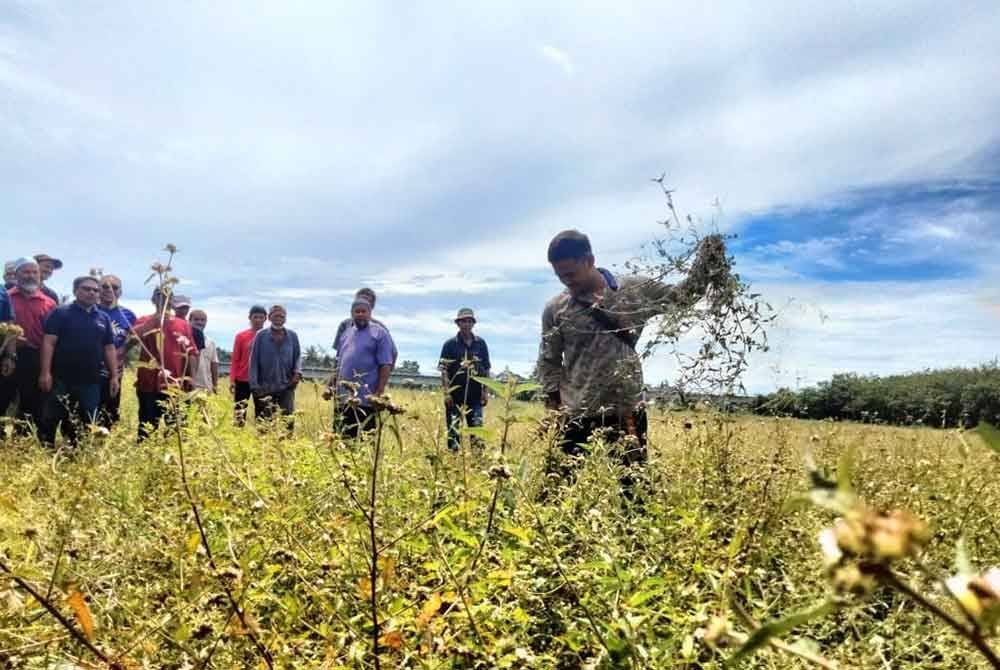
(207, 356)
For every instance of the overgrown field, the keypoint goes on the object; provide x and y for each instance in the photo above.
(560, 575)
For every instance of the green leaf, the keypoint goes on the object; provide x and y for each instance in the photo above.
(844, 468)
(479, 431)
(526, 387)
(494, 385)
(778, 627)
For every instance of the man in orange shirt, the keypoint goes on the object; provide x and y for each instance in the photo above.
(174, 366)
(31, 307)
(239, 366)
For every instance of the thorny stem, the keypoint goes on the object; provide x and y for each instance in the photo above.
(973, 635)
(263, 650)
(47, 604)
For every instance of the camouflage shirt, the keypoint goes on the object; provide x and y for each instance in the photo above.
(594, 369)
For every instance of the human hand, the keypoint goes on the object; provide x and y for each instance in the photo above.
(449, 402)
(45, 382)
(486, 397)
(115, 386)
(7, 367)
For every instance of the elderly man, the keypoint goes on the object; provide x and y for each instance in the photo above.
(239, 367)
(207, 376)
(79, 340)
(463, 357)
(122, 319)
(31, 307)
(47, 265)
(159, 370)
(588, 363)
(276, 367)
(364, 363)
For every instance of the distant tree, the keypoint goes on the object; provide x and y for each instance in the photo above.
(409, 368)
(225, 355)
(315, 356)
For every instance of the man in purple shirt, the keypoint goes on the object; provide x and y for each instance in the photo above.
(364, 362)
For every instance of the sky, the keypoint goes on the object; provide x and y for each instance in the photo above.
(296, 151)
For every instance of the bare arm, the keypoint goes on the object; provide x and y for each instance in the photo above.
(111, 361)
(383, 379)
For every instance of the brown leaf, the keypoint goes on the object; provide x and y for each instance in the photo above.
(393, 639)
(428, 611)
(364, 588)
(81, 611)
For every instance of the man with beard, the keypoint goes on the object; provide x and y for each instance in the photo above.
(239, 367)
(276, 368)
(78, 340)
(364, 362)
(31, 307)
(122, 319)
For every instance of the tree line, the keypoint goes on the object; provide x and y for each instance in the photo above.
(945, 398)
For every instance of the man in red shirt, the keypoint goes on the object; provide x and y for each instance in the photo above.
(239, 367)
(174, 366)
(31, 307)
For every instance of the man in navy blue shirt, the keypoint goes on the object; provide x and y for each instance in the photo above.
(462, 357)
(78, 338)
(122, 319)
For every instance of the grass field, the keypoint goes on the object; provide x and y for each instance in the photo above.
(558, 575)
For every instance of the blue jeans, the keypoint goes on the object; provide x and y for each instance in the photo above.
(71, 405)
(473, 418)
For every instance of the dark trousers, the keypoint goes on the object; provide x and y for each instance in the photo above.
(152, 407)
(71, 406)
(242, 396)
(8, 393)
(473, 415)
(352, 421)
(110, 410)
(31, 399)
(268, 406)
(579, 429)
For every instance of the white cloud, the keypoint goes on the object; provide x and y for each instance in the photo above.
(558, 57)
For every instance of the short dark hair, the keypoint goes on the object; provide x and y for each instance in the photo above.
(79, 280)
(257, 309)
(569, 244)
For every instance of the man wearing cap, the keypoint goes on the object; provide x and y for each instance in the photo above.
(275, 368)
(239, 366)
(122, 319)
(463, 357)
(365, 361)
(79, 341)
(47, 265)
(159, 370)
(31, 307)
(181, 305)
(587, 362)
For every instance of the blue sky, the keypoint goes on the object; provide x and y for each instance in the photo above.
(296, 151)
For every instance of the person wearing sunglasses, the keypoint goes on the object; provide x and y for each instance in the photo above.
(122, 319)
(78, 339)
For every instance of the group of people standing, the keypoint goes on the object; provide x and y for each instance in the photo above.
(69, 357)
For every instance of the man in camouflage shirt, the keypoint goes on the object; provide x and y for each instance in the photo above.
(588, 363)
